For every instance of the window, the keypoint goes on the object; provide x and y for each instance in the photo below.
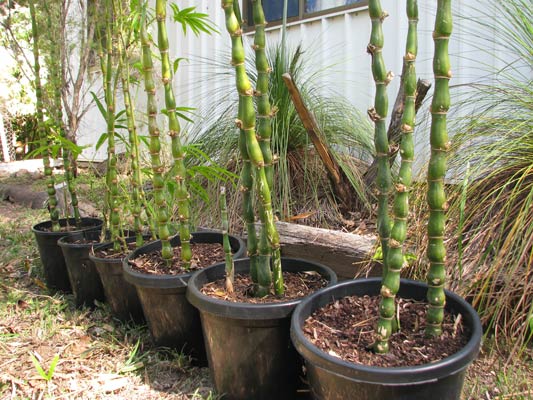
(299, 9)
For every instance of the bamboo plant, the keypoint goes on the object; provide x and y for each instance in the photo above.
(50, 181)
(56, 111)
(178, 153)
(393, 254)
(127, 40)
(228, 258)
(269, 247)
(436, 197)
(109, 72)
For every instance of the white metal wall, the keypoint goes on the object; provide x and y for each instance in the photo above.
(337, 43)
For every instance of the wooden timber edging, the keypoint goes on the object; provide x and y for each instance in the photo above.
(343, 252)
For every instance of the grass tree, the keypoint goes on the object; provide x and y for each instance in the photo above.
(269, 246)
(52, 200)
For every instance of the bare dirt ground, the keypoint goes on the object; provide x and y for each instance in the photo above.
(100, 358)
(97, 357)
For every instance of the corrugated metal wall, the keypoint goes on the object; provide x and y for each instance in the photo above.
(337, 44)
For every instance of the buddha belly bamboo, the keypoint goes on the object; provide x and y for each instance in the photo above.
(52, 200)
(395, 256)
(247, 123)
(264, 117)
(155, 145)
(378, 114)
(136, 181)
(436, 197)
(230, 274)
(112, 175)
(56, 73)
(182, 195)
(264, 109)
(247, 184)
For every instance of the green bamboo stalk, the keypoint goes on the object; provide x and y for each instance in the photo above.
(247, 190)
(57, 112)
(155, 145)
(133, 138)
(230, 272)
(178, 153)
(436, 196)
(264, 117)
(378, 114)
(110, 92)
(247, 124)
(264, 109)
(52, 200)
(395, 256)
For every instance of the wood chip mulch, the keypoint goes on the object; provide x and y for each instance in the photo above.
(297, 285)
(109, 253)
(203, 255)
(345, 329)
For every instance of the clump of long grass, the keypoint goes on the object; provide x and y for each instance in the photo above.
(301, 185)
(491, 210)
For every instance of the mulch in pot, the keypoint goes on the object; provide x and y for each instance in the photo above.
(346, 329)
(297, 285)
(203, 255)
(110, 253)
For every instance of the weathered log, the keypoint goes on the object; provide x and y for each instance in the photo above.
(342, 187)
(24, 195)
(343, 252)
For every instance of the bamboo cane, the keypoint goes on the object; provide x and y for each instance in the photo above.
(230, 272)
(436, 197)
(247, 124)
(52, 200)
(395, 256)
(182, 195)
(378, 114)
(155, 145)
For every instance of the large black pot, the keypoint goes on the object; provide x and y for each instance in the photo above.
(173, 322)
(84, 279)
(121, 295)
(248, 345)
(331, 378)
(55, 270)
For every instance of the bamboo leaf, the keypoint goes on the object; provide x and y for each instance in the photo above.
(99, 104)
(101, 140)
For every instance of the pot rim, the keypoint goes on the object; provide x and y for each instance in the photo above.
(418, 374)
(247, 311)
(62, 221)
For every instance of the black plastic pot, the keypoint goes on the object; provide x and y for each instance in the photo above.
(55, 270)
(84, 279)
(121, 295)
(173, 322)
(248, 345)
(331, 378)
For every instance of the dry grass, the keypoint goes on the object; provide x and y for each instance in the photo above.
(99, 357)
